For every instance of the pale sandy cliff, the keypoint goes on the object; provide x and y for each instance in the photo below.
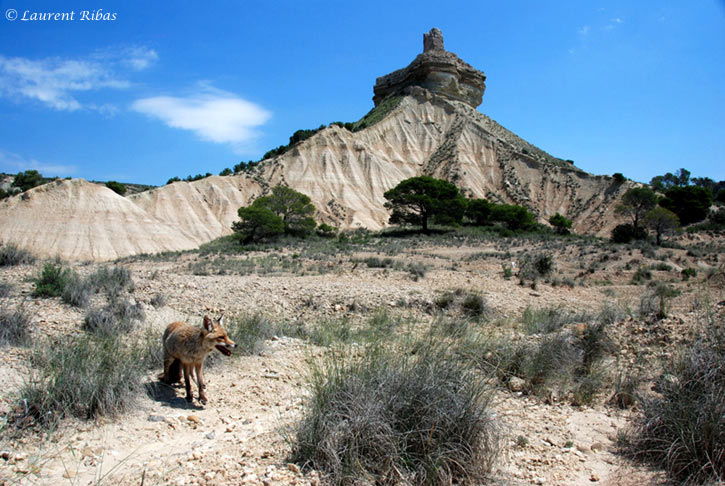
(428, 131)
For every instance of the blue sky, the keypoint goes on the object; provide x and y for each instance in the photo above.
(178, 88)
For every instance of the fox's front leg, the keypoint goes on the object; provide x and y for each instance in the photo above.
(200, 382)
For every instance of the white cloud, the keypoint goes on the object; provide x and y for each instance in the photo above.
(214, 115)
(139, 58)
(584, 30)
(11, 163)
(613, 24)
(56, 82)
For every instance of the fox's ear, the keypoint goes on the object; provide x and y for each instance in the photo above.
(221, 320)
(208, 325)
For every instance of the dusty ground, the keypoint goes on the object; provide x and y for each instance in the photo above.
(240, 436)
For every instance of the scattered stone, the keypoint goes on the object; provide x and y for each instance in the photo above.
(594, 477)
(597, 447)
(156, 418)
(293, 467)
(516, 384)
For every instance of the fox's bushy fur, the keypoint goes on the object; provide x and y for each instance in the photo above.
(186, 347)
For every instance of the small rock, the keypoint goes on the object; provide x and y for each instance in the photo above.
(210, 435)
(594, 477)
(293, 467)
(194, 419)
(597, 447)
(68, 474)
(516, 384)
(156, 418)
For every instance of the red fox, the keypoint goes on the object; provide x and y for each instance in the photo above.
(186, 346)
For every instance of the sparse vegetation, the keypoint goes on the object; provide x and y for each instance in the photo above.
(51, 281)
(10, 255)
(682, 426)
(393, 416)
(14, 327)
(83, 375)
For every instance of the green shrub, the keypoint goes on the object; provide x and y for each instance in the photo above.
(682, 428)
(10, 255)
(51, 281)
(534, 266)
(84, 376)
(14, 327)
(116, 187)
(326, 231)
(655, 300)
(394, 417)
(475, 306)
(562, 224)
(624, 233)
(688, 273)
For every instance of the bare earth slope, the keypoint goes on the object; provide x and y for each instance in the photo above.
(344, 173)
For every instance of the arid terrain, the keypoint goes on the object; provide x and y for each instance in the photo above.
(242, 436)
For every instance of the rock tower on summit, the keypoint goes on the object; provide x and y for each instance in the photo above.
(436, 70)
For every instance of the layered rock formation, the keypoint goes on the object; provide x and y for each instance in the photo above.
(437, 70)
(345, 173)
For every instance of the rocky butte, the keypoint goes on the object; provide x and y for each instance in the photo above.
(437, 70)
(424, 122)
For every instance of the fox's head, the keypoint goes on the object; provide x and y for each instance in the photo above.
(216, 335)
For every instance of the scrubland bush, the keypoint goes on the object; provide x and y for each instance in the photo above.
(10, 255)
(120, 315)
(682, 426)
(391, 416)
(51, 281)
(14, 327)
(83, 375)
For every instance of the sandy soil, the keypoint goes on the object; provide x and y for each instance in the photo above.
(241, 435)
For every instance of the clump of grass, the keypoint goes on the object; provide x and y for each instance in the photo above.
(682, 429)
(158, 300)
(84, 376)
(535, 266)
(10, 255)
(6, 289)
(77, 291)
(470, 303)
(111, 280)
(417, 270)
(565, 364)
(120, 315)
(641, 275)
(394, 417)
(475, 306)
(654, 302)
(249, 331)
(377, 262)
(546, 320)
(51, 281)
(14, 327)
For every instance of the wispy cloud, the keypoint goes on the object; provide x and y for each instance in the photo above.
(12, 162)
(214, 115)
(56, 82)
(612, 24)
(584, 30)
